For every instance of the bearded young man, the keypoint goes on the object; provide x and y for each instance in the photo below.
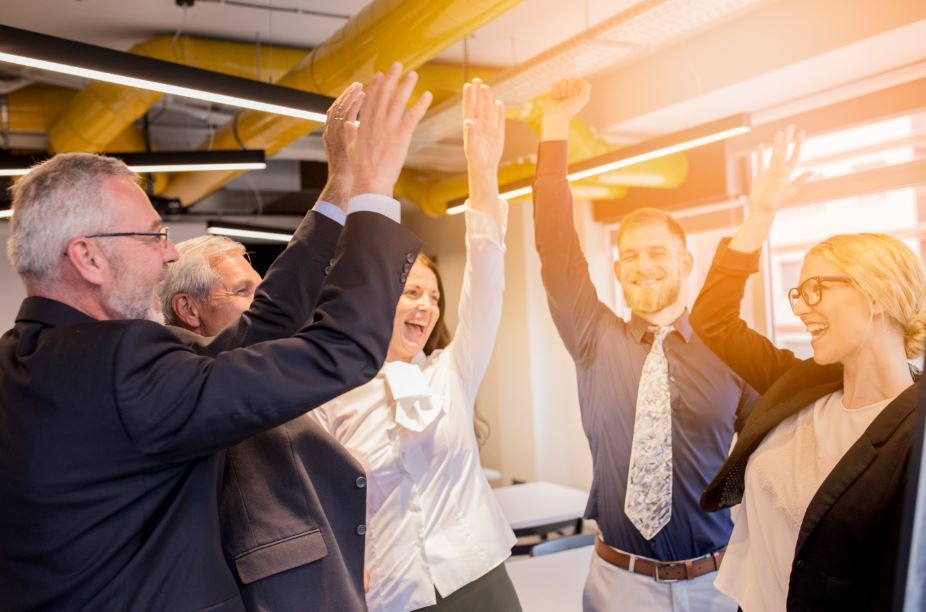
(658, 408)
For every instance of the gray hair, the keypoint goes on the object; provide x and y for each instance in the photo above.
(60, 199)
(192, 273)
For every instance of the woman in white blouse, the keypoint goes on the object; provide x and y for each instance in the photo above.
(435, 536)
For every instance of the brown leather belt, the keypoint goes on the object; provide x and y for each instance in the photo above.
(661, 571)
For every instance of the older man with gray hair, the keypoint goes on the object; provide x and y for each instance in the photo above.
(211, 284)
(109, 424)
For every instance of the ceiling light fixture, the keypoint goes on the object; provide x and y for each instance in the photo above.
(160, 161)
(698, 136)
(242, 230)
(65, 56)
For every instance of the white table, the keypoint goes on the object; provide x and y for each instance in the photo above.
(535, 504)
(491, 474)
(551, 583)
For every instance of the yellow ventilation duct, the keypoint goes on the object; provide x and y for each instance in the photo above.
(434, 195)
(385, 31)
(102, 111)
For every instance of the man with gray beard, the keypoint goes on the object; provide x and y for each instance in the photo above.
(658, 408)
(110, 426)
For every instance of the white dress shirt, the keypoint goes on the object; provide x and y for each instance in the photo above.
(432, 521)
(782, 477)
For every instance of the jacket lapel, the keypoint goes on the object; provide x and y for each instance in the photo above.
(856, 460)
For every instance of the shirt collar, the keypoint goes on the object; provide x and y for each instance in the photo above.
(639, 326)
(51, 312)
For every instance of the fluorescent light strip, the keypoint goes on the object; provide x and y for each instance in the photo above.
(159, 168)
(186, 92)
(456, 210)
(246, 233)
(515, 193)
(196, 167)
(636, 159)
(6, 214)
(662, 152)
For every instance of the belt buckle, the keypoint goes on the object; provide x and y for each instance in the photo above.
(663, 580)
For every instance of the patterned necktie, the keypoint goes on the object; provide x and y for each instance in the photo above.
(648, 503)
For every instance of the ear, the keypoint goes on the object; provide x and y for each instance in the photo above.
(187, 311)
(687, 264)
(87, 260)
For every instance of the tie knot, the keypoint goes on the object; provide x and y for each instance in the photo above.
(660, 333)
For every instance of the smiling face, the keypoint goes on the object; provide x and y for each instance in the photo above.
(416, 314)
(842, 322)
(232, 294)
(652, 264)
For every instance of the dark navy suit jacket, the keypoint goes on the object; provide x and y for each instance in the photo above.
(109, 430)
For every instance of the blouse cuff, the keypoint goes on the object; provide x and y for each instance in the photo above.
(485, 225)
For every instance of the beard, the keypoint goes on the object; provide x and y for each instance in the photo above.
(133, 297)
(648, 300)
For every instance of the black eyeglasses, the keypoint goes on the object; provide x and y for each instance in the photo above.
(161, 235)
(811, 290)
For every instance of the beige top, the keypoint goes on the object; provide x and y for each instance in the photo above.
(782, 476)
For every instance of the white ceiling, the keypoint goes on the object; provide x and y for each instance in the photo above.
(763, 57)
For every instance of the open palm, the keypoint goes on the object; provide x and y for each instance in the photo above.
(773, 186)
(483, 126)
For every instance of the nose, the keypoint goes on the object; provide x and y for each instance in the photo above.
(799, 306)
(170, 254)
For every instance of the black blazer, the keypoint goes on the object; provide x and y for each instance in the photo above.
(846, 551)
(293, 500)
(109, 432)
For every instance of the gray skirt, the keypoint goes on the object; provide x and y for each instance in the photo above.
(493, 592)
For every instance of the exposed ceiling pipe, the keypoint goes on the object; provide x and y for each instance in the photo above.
(434, 194)
(102, 111)
(385, 31)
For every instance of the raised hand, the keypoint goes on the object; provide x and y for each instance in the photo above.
(773, 186)
(337, 137)
(567, 97)
(378, 151)
(483, 127)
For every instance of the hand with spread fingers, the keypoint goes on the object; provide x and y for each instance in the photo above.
(567, 97)
(378, 152)
(773, 186)
(338, 134)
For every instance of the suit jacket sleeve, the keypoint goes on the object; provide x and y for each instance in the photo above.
(285, 299)
(574, 304)
(175, 404)
(715, 317)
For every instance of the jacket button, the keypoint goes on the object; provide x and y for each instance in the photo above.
(799, 564)
(361, 482)
(361, 529)
(331, 261)
(403, 277)
(410, 257)
(328, 269)
(407, 267)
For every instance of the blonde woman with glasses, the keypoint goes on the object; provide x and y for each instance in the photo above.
(820, 465)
